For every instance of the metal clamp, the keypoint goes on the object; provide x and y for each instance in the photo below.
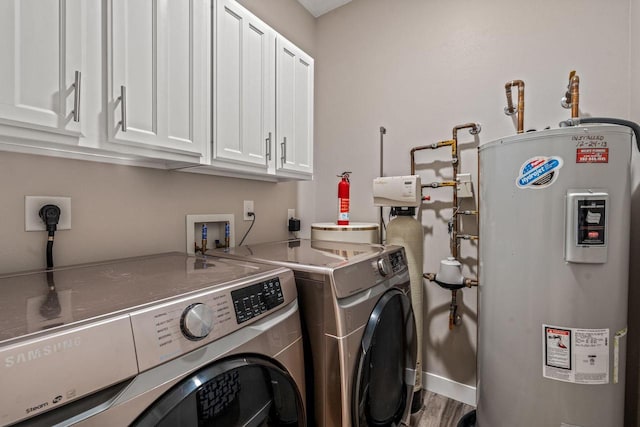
(123, 108)
(268, 142)
(283, 146)
(76, 96)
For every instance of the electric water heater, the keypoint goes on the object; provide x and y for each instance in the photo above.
(554, 260)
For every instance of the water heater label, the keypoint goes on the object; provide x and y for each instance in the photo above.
(539, 172)
(591, 222)
(592, 155)
(575, 355)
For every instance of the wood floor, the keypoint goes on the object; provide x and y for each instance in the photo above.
(439, 411)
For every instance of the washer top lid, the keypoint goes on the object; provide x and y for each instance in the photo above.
(28, 305)
(311, 255)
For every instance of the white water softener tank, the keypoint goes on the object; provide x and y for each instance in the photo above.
(554, 258)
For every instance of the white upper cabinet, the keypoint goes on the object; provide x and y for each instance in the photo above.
(157, 84)
(244, 88)
(42, 51)
(294, 108)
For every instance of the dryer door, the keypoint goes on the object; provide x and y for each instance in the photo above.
(385, 373)
(239, 391)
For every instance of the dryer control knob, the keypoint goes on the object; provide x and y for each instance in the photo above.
(383, 267)
(196, 321)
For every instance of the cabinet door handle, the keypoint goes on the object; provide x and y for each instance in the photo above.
(268, 142)
(76, 96)
(283, 145)
(123, 108)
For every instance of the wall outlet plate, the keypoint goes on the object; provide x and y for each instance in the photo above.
(32, 205)
(248, 207)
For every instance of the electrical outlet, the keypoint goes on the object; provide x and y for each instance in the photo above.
(291, 213)
(32, 205)
(248, 207)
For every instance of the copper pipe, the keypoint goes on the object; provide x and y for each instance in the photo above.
(571, 98)
(453, 309)
(470, 282)
(574, 85)
(429, 276)
(467, 213)
(440, 184)
(474, 129)
(466, 237)
(509, 109)
(427, 147)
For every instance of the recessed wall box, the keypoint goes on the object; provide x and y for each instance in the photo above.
(216, 230)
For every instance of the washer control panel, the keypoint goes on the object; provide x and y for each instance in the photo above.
(397, 260)
(168, 330)
(256, 299)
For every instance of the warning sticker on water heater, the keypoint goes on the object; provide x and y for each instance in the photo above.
(539, 172)
(575, 355)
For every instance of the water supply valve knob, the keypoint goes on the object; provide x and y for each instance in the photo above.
(383, 267)
(196, 321)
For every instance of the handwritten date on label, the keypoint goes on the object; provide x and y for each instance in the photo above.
(589, 141)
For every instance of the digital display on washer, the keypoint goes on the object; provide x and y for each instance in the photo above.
(256, 299)
(397, 261)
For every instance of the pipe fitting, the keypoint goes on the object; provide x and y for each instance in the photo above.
(510, 110)
(476, 129)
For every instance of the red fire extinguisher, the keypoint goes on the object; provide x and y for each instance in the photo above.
(343, 199)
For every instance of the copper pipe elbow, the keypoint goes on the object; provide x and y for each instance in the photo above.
(574, 86)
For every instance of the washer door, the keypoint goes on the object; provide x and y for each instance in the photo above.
(240, 391)
(385, 372)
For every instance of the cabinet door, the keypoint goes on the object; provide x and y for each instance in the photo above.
(157, 67)
(41, 49)
(244, 86)
(294, 108)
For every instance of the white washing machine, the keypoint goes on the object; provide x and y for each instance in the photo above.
(359, 328)
(166, 340)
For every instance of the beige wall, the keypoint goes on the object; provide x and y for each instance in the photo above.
(120, 211)
(289, 18)
(419, 68)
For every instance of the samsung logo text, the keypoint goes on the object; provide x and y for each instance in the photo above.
(40, 352)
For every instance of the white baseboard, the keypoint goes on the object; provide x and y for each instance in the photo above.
(449, 388)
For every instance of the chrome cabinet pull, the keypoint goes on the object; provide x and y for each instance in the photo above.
(76, 96)
(123, 108)
(283, 145)
(268, 142)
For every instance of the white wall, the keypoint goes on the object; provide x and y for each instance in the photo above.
(421, 67)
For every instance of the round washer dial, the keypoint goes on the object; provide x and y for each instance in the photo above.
(383, 267)
(196, 321)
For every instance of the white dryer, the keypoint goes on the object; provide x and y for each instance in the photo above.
(162, 340)
(359, 328)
